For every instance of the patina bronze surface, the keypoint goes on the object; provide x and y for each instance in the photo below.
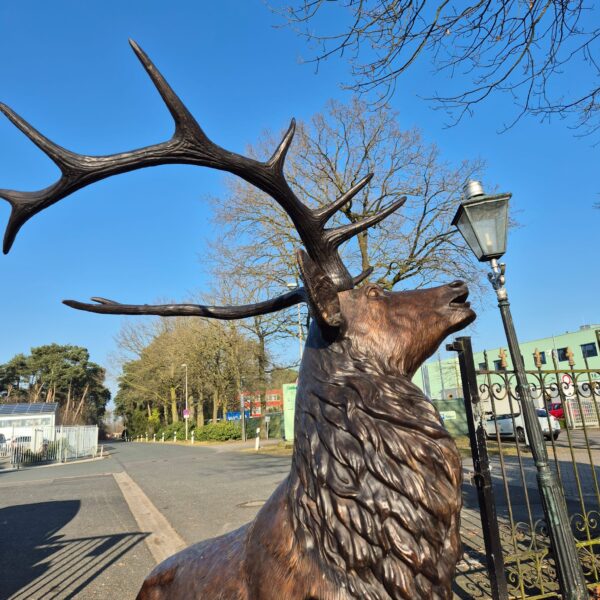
(371, 506)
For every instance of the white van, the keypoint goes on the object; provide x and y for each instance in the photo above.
(515, 428)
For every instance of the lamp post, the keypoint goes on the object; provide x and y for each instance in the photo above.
(292, 286)
(242, 410)
(483, 222)
(186, 414)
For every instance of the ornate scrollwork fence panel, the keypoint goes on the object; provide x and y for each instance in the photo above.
(574, 454)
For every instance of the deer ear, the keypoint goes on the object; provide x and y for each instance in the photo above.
(320, 290)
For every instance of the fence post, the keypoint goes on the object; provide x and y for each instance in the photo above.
(60, 445)
(481, 467)
(257, 441)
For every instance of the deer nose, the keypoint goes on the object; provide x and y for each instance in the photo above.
(457, 283)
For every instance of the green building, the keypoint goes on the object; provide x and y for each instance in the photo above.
(289, 410)
(440, 379)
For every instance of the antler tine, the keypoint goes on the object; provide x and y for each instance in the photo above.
(340, 234)
(360, 278)
(278, 159)
(57, 153)
(185, 123)
(110, 307)
(324, 214)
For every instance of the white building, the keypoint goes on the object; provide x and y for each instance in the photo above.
(34, 415)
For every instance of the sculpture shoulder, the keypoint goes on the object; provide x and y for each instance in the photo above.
(209, 569)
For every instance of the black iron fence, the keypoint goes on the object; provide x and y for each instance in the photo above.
(518, 550)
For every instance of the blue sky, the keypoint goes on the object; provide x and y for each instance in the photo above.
(68, 69)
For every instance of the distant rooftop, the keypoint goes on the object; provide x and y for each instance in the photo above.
(28, 409)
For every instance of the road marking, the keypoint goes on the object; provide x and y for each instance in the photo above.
(163, 540)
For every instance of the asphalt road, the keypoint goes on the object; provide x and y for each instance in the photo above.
(67, 532)
(74, 531)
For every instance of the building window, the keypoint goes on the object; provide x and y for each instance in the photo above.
(482, 366)
(561, 353)
(543, 358)
(498, 365)
(589, 350)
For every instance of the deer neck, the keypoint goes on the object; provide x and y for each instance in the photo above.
(374, 489)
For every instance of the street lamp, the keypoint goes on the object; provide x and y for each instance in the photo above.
(292, 286)
(483, 222)
(186, 412)
(242, 410)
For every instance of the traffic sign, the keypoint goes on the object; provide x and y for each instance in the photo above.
(566, 379)
(186, 413)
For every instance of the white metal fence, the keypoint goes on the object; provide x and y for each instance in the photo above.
(34, 445)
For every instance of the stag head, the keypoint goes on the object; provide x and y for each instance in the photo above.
(397, 330)
(419, 319)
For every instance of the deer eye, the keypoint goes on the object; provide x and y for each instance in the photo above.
(374, 291)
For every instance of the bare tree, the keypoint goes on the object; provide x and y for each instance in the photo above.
(526, 49)
(265, 331)
(337, 151)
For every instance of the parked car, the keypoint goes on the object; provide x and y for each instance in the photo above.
(504, 423)
(556, 410)
(24, 442)
(21, 440)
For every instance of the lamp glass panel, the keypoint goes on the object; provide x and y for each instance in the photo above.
(489, 221)
(466, 229)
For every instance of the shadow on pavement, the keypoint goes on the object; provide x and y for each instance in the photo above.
(38, 562)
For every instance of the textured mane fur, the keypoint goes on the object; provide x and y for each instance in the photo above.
(375, 481)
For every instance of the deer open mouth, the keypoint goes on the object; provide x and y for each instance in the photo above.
(460, 301)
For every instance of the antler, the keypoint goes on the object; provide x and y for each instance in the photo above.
(190, 145)
(227, 313)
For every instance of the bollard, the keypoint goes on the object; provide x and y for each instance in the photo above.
(154, 438)
(175, 437)
(192, 437)
(163, 436)
(257, 441)
(146, 437)
(102, 451)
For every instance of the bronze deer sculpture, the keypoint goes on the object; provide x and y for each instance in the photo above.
(371, 506)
